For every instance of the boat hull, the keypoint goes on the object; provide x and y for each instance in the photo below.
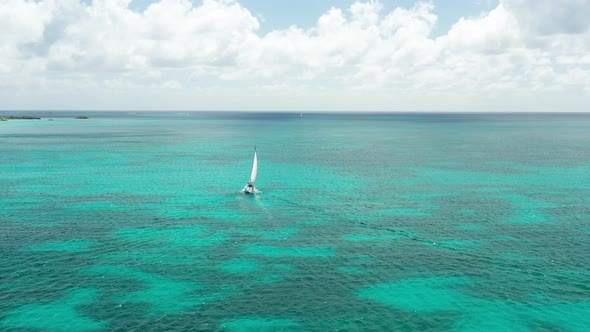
(249, 190)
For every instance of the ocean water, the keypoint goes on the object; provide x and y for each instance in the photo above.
(392, 222)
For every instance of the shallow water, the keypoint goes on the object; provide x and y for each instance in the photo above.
(365, 222)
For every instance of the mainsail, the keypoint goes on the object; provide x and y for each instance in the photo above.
(254, 169)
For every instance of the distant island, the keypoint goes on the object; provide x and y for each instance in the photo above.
(28, 117)
(24, 117)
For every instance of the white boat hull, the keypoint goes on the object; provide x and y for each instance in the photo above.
(249, 190)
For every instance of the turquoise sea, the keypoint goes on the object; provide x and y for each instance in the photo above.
(374, 222)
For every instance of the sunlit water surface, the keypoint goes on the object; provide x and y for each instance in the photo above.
(365, 222)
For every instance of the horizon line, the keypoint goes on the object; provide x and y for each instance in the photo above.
(301, 111)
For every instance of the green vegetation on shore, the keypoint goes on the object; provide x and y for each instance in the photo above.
(22, 117)
(28, 117)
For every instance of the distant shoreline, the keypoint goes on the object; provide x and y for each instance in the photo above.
(22, 117)
(28, 117)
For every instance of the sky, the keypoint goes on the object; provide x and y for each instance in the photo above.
(306, 55)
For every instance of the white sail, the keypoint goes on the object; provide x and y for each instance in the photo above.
(254, 169)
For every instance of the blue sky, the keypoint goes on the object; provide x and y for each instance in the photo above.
(344, 55)
(280, 14)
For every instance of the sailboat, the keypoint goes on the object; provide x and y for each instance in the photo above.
(249, 188)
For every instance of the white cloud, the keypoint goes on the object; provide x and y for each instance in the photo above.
(494, 32)
(548, 17)
(23, 22)
(211, 56)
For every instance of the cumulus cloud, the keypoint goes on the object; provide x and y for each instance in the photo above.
(547, 17)
(359, 57)
(495, 32)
